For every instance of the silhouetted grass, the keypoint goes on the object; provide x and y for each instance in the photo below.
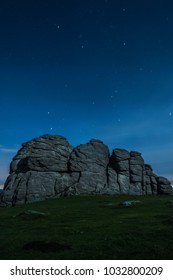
(88, 227)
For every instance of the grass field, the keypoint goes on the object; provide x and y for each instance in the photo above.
(88, 227)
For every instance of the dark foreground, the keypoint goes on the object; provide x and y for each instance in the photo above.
(88, 227)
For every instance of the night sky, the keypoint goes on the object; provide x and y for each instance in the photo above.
(88, 69)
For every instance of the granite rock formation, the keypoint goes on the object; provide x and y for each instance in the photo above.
(48, 166)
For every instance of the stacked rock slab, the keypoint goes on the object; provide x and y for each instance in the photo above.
(130, 170)
(137, 173)
(119, 162)
(48, 166)
(151, 180)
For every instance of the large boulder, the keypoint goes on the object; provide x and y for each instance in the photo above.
(48, 166)
(45, 153)
(119, 162)
(91, 161)
(164, 185)
(39, 170)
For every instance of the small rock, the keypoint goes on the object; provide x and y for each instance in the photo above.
(128, 203)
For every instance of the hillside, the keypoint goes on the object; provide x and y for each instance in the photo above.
(89, 227)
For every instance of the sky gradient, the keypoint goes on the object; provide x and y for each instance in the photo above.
(88, 69)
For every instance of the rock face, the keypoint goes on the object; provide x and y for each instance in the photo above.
(48, 166)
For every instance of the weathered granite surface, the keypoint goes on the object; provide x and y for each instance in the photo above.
(48, 166)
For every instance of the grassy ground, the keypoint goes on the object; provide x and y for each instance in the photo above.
(89, 227)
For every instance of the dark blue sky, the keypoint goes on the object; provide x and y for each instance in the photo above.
(88, 69)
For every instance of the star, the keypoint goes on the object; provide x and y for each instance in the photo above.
(57, 26)
(48, 113)
(170, 114)
(51, 128)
